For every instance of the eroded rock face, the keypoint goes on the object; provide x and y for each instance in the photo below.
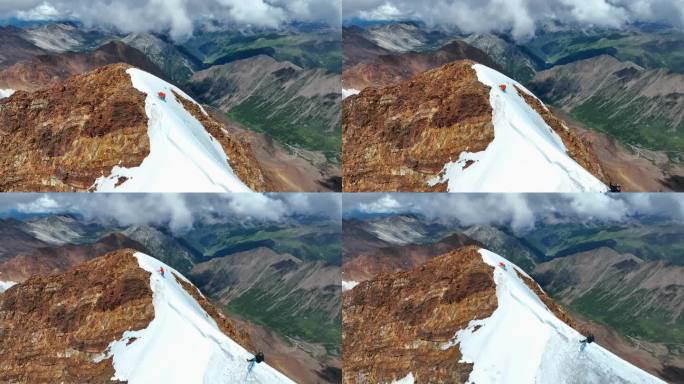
(396, 323)
(63, 138)
(397, 138)
(53, 327)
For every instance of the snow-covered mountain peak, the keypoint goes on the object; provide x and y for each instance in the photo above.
(183, 156)
(524, 342)
(526, 155)
(183, 343)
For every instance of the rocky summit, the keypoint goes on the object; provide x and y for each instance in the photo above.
(56, 328)
(415, 135)
(64, 137)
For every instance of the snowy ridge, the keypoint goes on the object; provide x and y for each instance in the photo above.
(524, 342)
(183, 156)
(526, 155)
(182, 344)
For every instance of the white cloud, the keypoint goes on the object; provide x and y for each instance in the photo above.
(177, 211)
(43, 11)
(519, 17)
(520, 211)
(178, 17)
(42, 204)
(384, 11)
(384, 204)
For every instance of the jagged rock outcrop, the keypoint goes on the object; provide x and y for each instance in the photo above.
(397, 322)
(403, 137)
(53, 327)
(64, 137)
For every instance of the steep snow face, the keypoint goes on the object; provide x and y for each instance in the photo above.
(526, 155)
(524, 342)
(5, 285)
(182, 344)
(183, 157)
(6, 92)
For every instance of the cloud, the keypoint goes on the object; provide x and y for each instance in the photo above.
(519, 17)
(178, 17)
(179, 212)
(384, 204)
(520, 212)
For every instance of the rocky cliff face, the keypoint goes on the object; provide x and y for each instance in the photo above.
(55, 326)
(398, 138)
(396, 323)
(64, 137)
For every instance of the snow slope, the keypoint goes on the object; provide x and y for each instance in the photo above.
(182, 344)
(183, 157)
(6, 92)
(524, 342)
(526, 155)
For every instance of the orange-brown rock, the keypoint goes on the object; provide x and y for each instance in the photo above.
(54, 326)
(396, 323)
(399, 137)
(64, 137)
(578, 149)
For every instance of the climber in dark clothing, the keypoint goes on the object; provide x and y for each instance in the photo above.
(258, 358)
(588, 340)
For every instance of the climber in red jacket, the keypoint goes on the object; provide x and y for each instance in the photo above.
(161, 271)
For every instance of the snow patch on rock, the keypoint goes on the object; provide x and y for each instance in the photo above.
(346, 92)
(183, 156)
(526, 155)
(6, 92)
(348, 284)
(182, 344)
(5, 285)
